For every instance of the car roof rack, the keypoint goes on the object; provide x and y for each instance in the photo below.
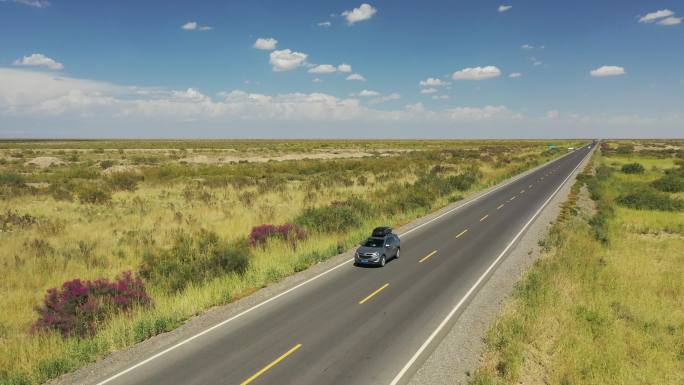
(380, 232)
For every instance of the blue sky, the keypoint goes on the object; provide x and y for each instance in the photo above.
(488, 69)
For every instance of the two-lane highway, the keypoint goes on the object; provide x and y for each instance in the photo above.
(354, 325)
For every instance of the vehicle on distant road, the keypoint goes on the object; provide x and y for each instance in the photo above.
(380, 247)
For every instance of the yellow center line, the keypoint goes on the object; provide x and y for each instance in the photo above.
(428, 256)
(461, 233)
(513, 197)
(373, 293)
(500, 206)
(522, 191)
(530, 186)
(483, 218)
(272, 364)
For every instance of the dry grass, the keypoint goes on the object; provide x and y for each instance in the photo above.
(594, 313)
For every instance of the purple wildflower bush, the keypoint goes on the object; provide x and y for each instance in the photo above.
(79, 306)
(288, 231)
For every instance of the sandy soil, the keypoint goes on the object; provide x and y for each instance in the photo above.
(45, 161)
(205, 159)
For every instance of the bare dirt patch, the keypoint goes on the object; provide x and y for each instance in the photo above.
(205, 159)
(122, 169)
(45, 161)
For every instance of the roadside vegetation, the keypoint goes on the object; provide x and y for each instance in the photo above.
(605, 302)
(107, 243)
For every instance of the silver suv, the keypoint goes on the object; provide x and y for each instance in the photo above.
(382, 246)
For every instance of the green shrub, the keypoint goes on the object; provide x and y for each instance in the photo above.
(194, 259)
(61, 191)
(669, 183)
(338, 216)
(604, 172)
(93, 193)
(146, 327)
(11, 179)
(105, 164)
(625, 149)
(54, 367)
(632, 168)
(123, 181)
(14, 378)
(80, 172)
(648, 199)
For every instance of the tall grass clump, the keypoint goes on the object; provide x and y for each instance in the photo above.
(632, 168)
(671, 182)
(646, 198)
(193, 259)
(339, 216)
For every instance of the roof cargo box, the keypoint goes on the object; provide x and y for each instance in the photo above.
(381, 232)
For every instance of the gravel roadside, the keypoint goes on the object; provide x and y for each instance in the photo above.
(459, 352)
(120, 360)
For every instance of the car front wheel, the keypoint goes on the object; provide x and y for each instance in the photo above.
(382, 261)
(397, 254)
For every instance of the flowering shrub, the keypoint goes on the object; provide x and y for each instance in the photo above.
(78, 306)
(291, 232)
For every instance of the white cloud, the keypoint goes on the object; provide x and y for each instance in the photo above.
(668, 21)
(440, 97)
(317, 80)
(607, 71)
(368, 93)
(527, 47)
(344, 68)
(363, 12)
(266, 44)
(432, 82)
(323, 69)
(428, 90)
(32, 3)
(504, 8)
(286, 60)
(477, 73)
(189, 26)
(356, 77)
(515, 75)
(477, 113)
(29, 98)
(553, 114)
(193, 26)
(324, 24)
(384, 99)
(653, 16)
(38, 59)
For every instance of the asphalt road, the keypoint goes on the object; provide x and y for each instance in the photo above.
(358, 325)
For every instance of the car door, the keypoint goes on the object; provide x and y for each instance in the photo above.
(393, 246)
(389, 250)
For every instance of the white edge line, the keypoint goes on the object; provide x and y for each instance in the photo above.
(460, 303)
(218, 325)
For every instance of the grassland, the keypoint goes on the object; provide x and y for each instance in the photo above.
(605, 303)
(178, 214)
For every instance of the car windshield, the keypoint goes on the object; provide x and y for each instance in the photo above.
(373, 242)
